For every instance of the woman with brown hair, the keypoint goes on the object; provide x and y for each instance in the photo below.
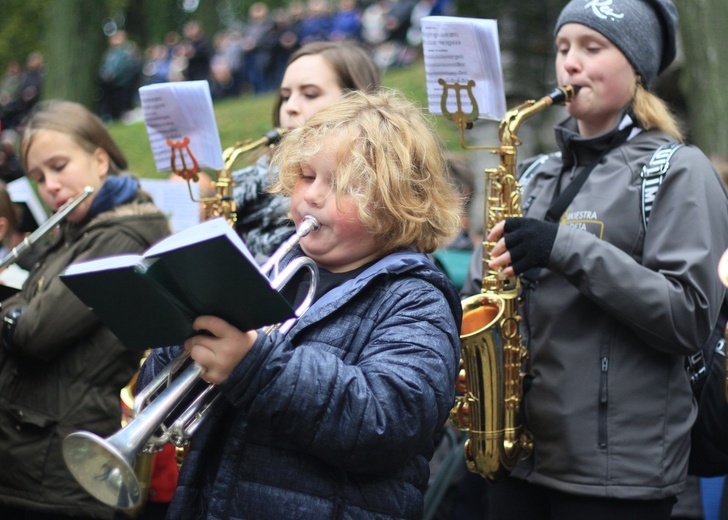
(61, 370)
(317, 74)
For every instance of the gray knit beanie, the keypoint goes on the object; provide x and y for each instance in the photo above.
(644, 30)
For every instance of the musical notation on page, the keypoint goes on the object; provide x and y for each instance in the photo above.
(177, 111)
(462, 51)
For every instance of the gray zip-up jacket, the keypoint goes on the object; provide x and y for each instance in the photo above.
(609, 321)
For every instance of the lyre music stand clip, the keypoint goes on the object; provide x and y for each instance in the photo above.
(187, 173)
(461, 119)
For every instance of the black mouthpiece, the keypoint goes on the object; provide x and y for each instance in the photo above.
(563, 94)
(273, 136)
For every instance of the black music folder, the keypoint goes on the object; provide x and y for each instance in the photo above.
(150, 300)
(6, 291)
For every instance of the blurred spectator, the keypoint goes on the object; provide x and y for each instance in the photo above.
(177, 56)
(421, 9)
(296, 14)
(222, 82)
(199, 52)
(384, 27)
(398, 20)
(283, 42)
(316, 25)
(455, 257)
(258, 49)
(157, 59)
(464, 178)
(346, 22)
(443, 8)
(374, 18)
(10, 167)
(119, 72)
(226, 65)
(10, 88)
(32, 81)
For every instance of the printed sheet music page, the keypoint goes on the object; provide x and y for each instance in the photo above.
(458, 50)
(177, 110)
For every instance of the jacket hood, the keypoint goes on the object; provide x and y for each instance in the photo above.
(396, 264)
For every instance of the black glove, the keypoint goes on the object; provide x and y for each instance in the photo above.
(529, 241)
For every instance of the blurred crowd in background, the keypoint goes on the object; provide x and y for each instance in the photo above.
(249, 57)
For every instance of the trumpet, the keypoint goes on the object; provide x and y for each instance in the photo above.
(44, 228)
(105, 467)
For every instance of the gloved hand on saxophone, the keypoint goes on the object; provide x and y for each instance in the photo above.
(522, 244)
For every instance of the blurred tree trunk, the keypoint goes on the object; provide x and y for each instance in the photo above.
(207, 15)
(148, 22)
(704, 74)
(75, 43)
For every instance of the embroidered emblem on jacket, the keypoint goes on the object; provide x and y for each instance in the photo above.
(586, 221)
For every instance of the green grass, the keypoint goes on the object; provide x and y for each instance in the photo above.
(249, 117)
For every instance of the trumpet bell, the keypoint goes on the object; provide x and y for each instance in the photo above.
(102, 470)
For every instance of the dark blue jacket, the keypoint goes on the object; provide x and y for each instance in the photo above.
(339, 418)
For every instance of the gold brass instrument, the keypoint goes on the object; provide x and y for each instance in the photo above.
(490, 382)
(105, 467)
(223, 204)
(44, 228)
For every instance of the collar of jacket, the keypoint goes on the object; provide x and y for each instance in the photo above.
(578, 151)
(394, 264)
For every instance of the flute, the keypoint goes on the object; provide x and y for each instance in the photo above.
(44, 228)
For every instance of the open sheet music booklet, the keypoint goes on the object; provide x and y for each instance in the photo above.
(177, 110)
(458, 50)
(151, 300)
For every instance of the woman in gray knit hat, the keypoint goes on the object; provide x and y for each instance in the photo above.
(611, 304)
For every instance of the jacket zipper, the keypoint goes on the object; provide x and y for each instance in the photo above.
(603, 398)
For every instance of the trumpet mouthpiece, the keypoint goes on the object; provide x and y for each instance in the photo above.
(308, 224)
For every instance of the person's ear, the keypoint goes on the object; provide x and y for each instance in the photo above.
(102, 162)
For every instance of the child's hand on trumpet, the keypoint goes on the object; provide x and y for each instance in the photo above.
(220, 349)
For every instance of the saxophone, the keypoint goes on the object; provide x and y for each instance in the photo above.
(223, 204)
(490, 380)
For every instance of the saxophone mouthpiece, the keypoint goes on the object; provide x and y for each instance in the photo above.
(273, 136)
(564, 94)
